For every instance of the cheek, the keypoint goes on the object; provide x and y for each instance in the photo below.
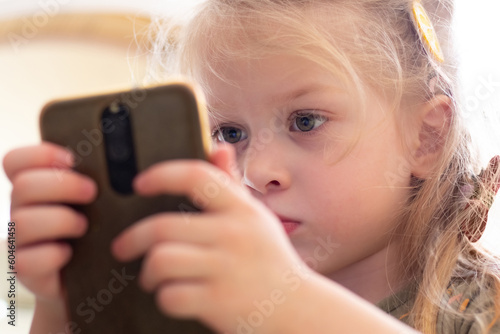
(331, 201)
(358, 196)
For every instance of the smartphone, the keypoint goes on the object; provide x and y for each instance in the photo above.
(114, 137)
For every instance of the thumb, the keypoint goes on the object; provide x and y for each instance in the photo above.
(224, 157)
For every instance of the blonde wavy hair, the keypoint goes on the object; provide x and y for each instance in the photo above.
(366, 43)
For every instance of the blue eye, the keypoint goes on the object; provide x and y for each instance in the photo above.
(306, 122)
(229, 134)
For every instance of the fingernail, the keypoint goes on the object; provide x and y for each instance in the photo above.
(66, 157)
(139, 183)
(66, 248)
(82, 222)
(115, 249)
(89, 187)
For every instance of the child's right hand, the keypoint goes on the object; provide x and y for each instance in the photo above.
(42, 181)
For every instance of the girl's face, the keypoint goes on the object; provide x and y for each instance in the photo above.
(290, 121)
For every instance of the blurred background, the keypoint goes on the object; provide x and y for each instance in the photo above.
(58, 48)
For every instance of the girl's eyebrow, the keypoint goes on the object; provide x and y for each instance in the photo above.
(295, 94)
(287, 96)
(216, 114)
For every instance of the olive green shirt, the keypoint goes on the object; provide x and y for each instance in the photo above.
(463, 297)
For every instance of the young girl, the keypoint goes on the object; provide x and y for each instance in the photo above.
(347, 199)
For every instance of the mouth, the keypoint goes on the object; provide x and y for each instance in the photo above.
(288, 224)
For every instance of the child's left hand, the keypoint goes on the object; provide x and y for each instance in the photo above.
(216, 265)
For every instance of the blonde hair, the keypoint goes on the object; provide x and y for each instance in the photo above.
(378, 47)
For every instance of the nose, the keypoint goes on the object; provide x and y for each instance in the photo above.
(265, 168)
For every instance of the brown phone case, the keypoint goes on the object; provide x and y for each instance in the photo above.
(166, 122)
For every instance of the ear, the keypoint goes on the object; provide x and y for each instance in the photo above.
(433, 125)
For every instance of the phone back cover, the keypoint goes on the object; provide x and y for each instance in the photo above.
(103, 295)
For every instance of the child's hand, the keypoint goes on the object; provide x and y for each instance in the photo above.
(42, 179)
(213, 265)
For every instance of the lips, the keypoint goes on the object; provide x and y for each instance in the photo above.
(289, 225)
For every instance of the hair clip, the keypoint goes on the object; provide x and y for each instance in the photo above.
(426, 31)
(474, 228)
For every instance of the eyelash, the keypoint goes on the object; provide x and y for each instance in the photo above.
(303, 113)
(217, 132)
(292, 119)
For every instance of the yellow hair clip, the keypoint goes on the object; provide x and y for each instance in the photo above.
(426, 31)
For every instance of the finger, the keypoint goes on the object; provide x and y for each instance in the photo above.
(46, 287)
(207, 186)
(49, 222)
(163, 227)
(173, 261)
(45, 186)
(41, 260)
(181, 299)
(39, 156)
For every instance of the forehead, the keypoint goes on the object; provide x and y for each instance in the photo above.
(252, 51)
(276, 77)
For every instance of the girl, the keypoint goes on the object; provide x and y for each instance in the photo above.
(346, 191)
